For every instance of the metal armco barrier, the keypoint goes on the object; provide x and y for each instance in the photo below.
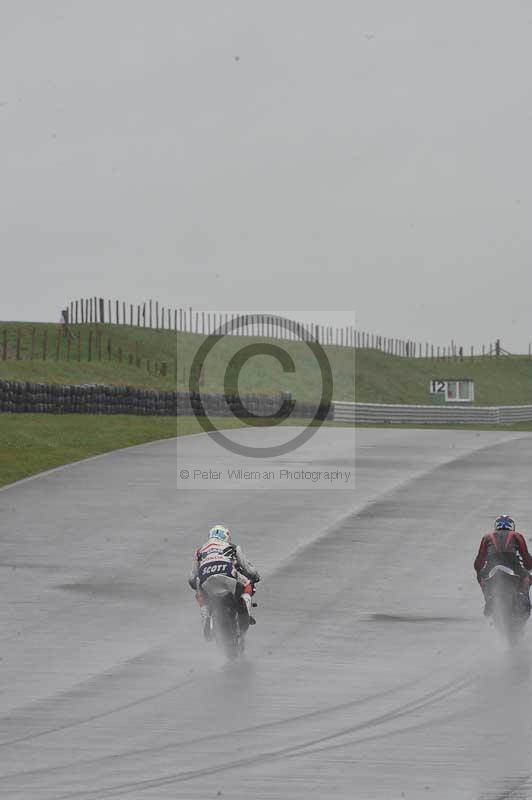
(367, 413)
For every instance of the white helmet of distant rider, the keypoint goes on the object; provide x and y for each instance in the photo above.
(220, 533)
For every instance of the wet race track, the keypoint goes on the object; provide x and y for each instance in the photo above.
(371, 672)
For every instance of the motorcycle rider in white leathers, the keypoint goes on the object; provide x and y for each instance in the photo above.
(220, 567)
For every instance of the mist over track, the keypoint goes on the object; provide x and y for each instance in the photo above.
(371, 673)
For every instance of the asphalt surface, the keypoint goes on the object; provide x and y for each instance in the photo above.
(371, 672)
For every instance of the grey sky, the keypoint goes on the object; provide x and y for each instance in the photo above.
(360, 154)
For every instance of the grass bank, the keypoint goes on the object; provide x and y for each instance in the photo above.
(378, 378)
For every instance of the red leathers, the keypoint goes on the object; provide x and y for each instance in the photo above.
(501, 543)
(507, 548)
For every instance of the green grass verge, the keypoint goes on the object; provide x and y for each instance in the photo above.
(32, 443)
(378, 378)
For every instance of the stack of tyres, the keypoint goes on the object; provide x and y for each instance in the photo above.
(28, 397)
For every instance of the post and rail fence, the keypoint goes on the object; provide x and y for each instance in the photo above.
(81, 344)
(153, 315)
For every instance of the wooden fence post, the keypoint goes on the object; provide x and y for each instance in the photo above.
(45, 344)
(151, 314)
(109, 312)
(157, 314)
(124, 313)
(138, 316)
(117, 314)
(131, 314)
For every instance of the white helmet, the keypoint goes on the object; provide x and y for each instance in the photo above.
(221, 533)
